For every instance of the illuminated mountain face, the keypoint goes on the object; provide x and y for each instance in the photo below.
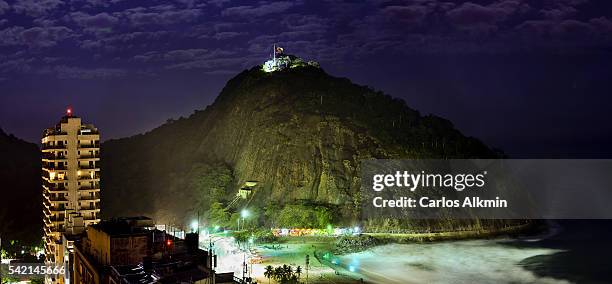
(299, 133)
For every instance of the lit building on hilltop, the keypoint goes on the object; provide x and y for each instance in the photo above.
(281, 61)
(71, 181)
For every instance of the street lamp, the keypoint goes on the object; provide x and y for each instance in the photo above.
(243, 215)
(194, 226)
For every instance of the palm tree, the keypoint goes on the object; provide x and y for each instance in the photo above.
(298, 271)
(269, 272)
(278, 273)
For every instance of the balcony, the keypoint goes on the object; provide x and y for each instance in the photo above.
(54, 181)
(89, 157)
(50, 156)
(95, 197)
(89, 217)
(89, 146)
(55, 209)
(87, 211)
(53, 132)
(54, 219)
(88, 132)
(54, 147)
(88, 167)
(92, 220)
(90, 208)
(55, 168)
(49, 214)
(57, 190)
(57, 199)
(89, 188)
(89, 177)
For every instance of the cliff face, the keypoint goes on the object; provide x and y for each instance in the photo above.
(299, 132)
(21, 192)
(302, 133)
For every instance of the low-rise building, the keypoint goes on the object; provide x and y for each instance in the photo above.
(131, 250)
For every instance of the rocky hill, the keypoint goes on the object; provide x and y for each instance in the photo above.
(21, 192)
(300, 133)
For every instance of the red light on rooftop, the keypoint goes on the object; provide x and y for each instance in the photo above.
(168, 242)
(69, 111)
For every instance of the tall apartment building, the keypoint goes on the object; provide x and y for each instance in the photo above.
(71, 180)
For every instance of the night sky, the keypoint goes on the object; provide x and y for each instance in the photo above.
(529, 77)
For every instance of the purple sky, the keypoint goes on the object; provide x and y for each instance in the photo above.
(530, 77)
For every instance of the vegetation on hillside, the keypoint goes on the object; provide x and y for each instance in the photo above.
(21, 193)
(300, 133)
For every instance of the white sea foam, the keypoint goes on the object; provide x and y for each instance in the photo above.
(478, 261)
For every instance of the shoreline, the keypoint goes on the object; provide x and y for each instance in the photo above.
(324, 271)
(517, 230)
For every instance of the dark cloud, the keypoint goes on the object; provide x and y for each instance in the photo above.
(153, 36)
(469, 14)
(18, 65)
(3, 7)
(559, 13)
(192, 59)
(228, 35)
(261, 10)
(71, 72)
(101, 20)
(311, 23)
(603, 25)
(184, 54)
(35, 36)
(596, 31)
(45, 36)
(36, 8)
(160, 15)
(210, 64)
(406, 14)
(11, 36)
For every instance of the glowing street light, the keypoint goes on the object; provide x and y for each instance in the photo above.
(244, 213)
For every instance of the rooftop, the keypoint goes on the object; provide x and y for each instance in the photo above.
(125, 226)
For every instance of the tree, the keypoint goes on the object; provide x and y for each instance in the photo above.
(298, 271)
(278, 273)
(218, 214)
(284, 274)
(269, 272)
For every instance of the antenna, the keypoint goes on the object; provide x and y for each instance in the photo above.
(274, 51)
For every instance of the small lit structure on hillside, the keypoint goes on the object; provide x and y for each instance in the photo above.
(247, 189)
(281, 61)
